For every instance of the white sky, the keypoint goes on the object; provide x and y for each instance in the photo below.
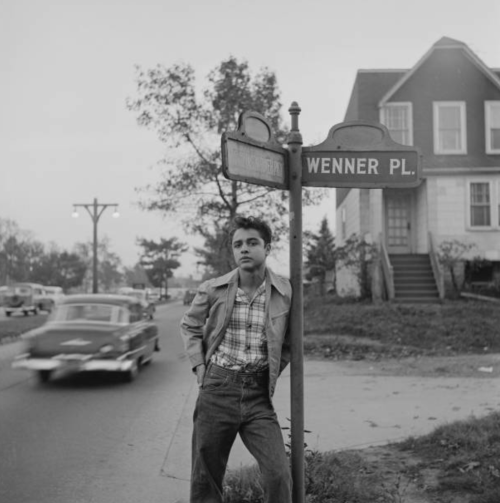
(67, 67)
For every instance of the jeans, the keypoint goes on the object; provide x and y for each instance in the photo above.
(229, 403)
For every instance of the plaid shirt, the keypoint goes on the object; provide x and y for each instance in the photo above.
(244, 346)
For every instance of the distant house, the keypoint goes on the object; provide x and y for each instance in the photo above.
(448, 105)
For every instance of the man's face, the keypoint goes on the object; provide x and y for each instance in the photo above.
(249, 249)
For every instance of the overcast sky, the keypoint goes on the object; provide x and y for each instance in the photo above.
(67, 68)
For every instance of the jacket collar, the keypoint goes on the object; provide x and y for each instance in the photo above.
(276, 281)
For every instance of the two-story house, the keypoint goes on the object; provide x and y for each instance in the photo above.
(448, 105)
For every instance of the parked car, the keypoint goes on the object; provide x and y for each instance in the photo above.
(55, 293)
(188, 297)
(90, 332)
(26, 298)
(3, 290)
(153, 296)
(148, 305)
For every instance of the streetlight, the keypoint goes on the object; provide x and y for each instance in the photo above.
(95, 210)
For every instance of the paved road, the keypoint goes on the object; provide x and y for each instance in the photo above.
(94, 440)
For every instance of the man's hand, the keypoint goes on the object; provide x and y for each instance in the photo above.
(200, 374)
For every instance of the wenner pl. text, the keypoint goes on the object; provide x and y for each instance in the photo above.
(360, 169)
(355, 166)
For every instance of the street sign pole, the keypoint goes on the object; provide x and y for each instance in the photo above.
(296, 314)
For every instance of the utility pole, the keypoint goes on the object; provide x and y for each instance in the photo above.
(95, 210)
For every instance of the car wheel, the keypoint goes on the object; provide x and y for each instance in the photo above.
(131, 373)
(7, 313)
(44, 376)
(35, 311)
(26, 313)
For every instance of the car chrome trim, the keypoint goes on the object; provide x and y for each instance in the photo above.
(75, 364)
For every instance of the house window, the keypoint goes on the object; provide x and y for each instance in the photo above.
(397, 118)
(449, 127)
(492, 118)
(480, 204)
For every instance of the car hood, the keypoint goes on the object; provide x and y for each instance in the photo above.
(68, 338)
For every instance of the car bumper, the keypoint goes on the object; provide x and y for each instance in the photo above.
(78, 364)
(20, 309)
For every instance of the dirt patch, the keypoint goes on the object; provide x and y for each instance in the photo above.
(406, 477)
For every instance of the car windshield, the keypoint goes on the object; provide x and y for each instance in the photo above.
(19, 290)
(53, 290)
(102, 313)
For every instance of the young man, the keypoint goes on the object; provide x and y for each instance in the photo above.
(236, 337)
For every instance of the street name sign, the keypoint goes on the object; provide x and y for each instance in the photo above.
(361, 154)
(252, 155)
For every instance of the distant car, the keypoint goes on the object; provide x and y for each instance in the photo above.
(3, 290)
(148, 305)
(26, 298)
(55, 293)
(91, 332)
(188, 297)
(153, 296)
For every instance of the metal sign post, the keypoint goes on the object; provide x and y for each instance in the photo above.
(296, 313)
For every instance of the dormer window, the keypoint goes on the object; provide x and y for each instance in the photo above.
(449, 127)
(397, 118)
(492, 126)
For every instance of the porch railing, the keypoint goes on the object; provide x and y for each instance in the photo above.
(387, 269)
(436, 267)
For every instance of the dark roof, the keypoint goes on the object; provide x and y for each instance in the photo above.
(446, 41)
(98, 298)
(369, 88)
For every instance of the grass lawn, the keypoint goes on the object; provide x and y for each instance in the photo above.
(361, 330)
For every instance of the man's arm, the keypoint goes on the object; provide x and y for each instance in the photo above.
(192, 325)
(285, 348)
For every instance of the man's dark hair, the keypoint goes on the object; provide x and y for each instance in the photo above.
(252, 223)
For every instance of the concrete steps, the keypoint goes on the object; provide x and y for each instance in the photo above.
(413, 279)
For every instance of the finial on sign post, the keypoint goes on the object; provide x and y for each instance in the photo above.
(294, 136)
(294, 111)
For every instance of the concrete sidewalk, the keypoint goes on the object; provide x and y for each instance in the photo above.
(346, 408)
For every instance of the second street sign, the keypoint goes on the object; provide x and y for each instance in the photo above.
(252, 155)
(360, 154)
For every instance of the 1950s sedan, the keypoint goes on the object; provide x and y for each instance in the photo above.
(91, 332)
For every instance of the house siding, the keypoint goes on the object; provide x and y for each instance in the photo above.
(376, 214)
(351, 204)
(422, 219)
(347, 284)
(449, 196)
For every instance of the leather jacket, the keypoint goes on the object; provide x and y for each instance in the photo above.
(204, 324)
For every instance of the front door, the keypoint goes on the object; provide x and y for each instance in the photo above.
(398, 205)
